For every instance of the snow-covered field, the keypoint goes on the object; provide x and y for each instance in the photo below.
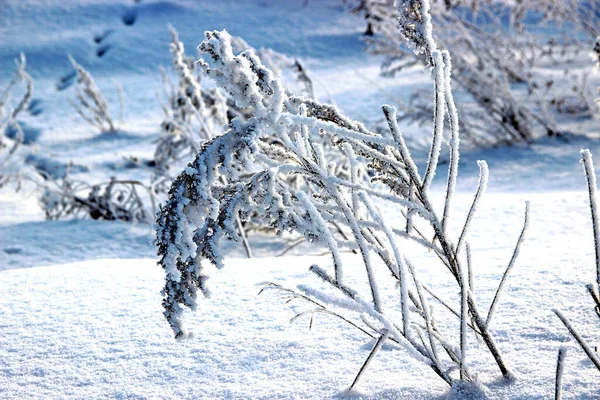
(80, 302)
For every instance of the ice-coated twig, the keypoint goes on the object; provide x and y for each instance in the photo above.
(400, 262)
(438, 117)
(320, 226)
(588, 165)
(595, 296)
(454, 138)
(509, 267)
(414, 23)
(8, 118)
(470, 268)
(582, 343)
(481, 187)
(370, 357)
(390, 115)
(560, 366)
(241, 232)
(464, 310)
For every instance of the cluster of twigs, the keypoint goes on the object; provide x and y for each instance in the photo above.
(8, 117)
(91, 104)
(593, 289)
(495, 55)
(121, 200)
(241, 175)
(194, 115)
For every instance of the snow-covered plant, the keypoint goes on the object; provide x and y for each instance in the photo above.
(495, 57)
(91, 104)
(592, 288)
(111, 201)
(299, 83)
(243, 174)
(192, 115)
(8, 117)
(579, 101)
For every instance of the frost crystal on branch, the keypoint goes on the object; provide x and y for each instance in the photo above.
(414, 21)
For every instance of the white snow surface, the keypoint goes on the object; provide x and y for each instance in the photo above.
(80, 303)
(95, 329)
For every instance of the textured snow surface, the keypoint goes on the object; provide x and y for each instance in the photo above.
(95, 329)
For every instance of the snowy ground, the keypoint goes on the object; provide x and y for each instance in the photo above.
(79, 300)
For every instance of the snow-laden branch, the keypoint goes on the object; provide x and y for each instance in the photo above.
(294, 164)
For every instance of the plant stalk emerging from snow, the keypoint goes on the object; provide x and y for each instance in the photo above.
(560, 366)
(588, 167)
(245, 173)
(582, 343)
(91, 104)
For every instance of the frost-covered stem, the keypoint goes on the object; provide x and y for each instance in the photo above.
(24, 76)
(435, 364)
(16, 143)
(560, 366)
(454, 138)
(584, 346)
(360, 240)
(409, 220)
(470, 268)
(488, 339)
(427, 311)
(365, 306)
(450, 351)
(434, 353)
(449, 308)
(326, 236)
(510, 266)
(353, 176)
(438, 118)
(400, 263)
(454, 268)
(426, 213)
(481, 187)
(464, 309)
(595, 296)
(243, 236)
(390, 115)
(372, 354)
(335, 217)
(588, 165)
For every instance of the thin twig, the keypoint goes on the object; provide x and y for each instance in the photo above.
(372, 354)
(510, 266)
(560, 366)
(584, 346)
